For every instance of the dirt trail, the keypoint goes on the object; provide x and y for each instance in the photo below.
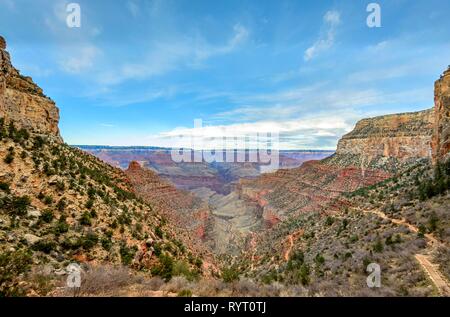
(291, 239)
(431, 269)
(434, 242)
(289, 249)
(434, 274)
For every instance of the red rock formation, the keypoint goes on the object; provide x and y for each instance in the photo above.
(182, 208)
(441, 136)
(307, 188)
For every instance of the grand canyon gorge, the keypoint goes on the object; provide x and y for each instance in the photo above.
(319, 174)
(142, 225)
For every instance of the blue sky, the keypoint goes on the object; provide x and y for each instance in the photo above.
(139, 72)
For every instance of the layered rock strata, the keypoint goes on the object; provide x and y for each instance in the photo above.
(441, 136)
(23, 102)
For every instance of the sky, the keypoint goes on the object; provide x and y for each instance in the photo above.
(139, 72)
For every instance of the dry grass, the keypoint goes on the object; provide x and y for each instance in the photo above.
(105, 280)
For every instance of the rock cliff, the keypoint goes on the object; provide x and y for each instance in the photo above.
(23, 102)
(441, 140)
(181, 207)
(392, 139)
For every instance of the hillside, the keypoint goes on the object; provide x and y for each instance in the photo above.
(59, 205)
(390, 223)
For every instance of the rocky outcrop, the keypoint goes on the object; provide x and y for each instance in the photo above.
(396, 138)
(308, 188)
(23, 102)
(441, 135)
(182, 208)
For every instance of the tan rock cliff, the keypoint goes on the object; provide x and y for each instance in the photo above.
(400, 137)
(23, 102)
(441, 140)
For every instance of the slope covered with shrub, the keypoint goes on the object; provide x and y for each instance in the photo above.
(59, 205)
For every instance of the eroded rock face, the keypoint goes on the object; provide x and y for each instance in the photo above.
(441, 140)
(398, 137)
(23, 102)
(183, 208)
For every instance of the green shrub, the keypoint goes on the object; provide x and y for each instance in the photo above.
(44, 245)
(296, 260)
(9, 158)
(4, 187)
(12, 266)
(16, 205)
(159, 232)
(106, 243)
(329, 221)
(89, 241)
(422, 231)
(61, 205)
(48, 200)
(89, 203)
(185, 293)
(47, 215)
(61, 226)
(303, 274)
(182, 268)
(85, 219)
(230, 274)
(378, 246)
(127, 253)
(433, 222)
(60, 186)
(165, 267)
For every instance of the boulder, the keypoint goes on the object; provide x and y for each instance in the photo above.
(32, 212)
(31, 238)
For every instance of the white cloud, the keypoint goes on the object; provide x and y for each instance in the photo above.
(331, 21)
(164, 57)
(293, 134)
(81, 59)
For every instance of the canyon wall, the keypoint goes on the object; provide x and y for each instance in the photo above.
(23, 102)
(183, 208)
(398, 138)
(441, 140)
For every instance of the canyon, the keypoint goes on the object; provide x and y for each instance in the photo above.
(218, 177)
(314, 222)
(234, 201)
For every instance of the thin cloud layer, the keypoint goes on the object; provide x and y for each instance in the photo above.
(331, 21)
